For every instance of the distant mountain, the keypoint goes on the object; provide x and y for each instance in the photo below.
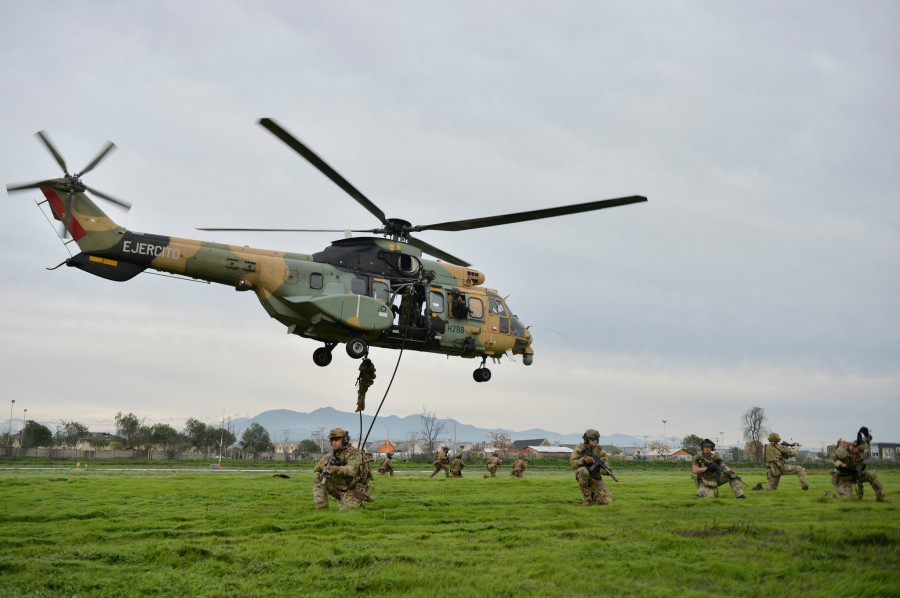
(296, 425)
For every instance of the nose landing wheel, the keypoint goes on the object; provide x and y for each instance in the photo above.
(482, 374)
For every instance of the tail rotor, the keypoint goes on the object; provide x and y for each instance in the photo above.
(72, 183)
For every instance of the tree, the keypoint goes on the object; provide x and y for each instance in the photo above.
(36, 435)
(256, 439)
(195, 433)
(753, 425)
(691, 443)
(223, 436)
(501, 441)
(128, 429)
(661, 448)
(101, 441)
(165, 437)
(432, 428)
(307, 447)
(320, 435)
(68, 434)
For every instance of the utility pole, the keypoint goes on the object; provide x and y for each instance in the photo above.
(221, 440)
(666, 457)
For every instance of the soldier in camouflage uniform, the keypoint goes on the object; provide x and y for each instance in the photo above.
(387, 466)
(593, 489)
(456, 467)
(776, 454)
(344, 474)
(850, 468)
(440, 462)
(493, 463)
(518, 468)
(365, 379)
(706, 478)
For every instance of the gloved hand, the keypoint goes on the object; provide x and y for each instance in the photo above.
(588, 460)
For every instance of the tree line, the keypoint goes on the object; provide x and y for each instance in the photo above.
(133, 434)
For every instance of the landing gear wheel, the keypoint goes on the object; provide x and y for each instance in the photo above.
(357, 348)
(322, 356)
(481, 375)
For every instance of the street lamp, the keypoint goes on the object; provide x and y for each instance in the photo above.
(22, 433)
(9, 429)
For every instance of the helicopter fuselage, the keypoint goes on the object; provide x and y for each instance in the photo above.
(379, 291)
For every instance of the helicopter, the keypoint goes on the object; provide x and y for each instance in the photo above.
(368, 291)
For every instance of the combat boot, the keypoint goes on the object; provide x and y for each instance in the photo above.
(757, 487)
(587, 497)
(830, 494)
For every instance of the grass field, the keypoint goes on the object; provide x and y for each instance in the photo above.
(230, 533)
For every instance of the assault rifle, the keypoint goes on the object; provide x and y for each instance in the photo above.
(597, 464)
(326, 472)
(719, 470)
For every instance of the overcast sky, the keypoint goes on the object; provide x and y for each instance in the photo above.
(761, 272)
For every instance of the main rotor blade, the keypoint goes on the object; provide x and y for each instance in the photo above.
(293, 230)
(324, 168)
(59, 159)
(110, 198)
(34, 185)
(110, 146)
(471, 223)
(439, 253)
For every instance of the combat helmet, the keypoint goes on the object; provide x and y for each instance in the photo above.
(340, 433)
(706, 441)
(774, 438)
(591, 433)
(863, 438)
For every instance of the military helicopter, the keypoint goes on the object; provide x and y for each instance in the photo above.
(370, 291)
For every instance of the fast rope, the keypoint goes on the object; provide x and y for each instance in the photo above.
(377, 411)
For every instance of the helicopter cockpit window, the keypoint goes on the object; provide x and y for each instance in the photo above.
(496, 306)
(436, 302)
(315, 280)
(476, 308)
(358, 286)
(516, 328)
(381, 291)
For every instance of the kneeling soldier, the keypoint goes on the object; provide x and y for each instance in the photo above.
(344, 474)
(586, 460)
(710, 472)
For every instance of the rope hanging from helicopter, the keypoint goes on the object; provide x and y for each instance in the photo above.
(377, 411)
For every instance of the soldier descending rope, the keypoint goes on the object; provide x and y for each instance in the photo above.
(365, 379)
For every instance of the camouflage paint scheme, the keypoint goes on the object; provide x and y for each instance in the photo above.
(328, 296)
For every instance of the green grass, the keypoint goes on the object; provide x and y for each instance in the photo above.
(222, 533)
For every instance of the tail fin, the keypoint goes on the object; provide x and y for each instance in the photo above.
(96, 234)
(89, 226)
